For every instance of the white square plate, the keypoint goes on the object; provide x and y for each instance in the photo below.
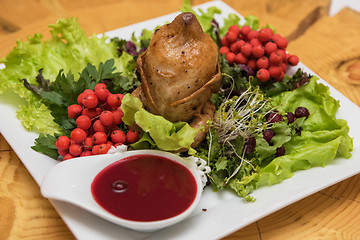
(225, 212)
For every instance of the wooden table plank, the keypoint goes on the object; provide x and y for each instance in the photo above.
(328, 45)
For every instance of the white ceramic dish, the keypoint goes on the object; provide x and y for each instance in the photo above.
(75, 188)
(225, 212)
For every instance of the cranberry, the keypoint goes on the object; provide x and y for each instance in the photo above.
(280, 151)
(268, 134)
(301, 112)
(274, 117)
(290, 117)
(250, 144)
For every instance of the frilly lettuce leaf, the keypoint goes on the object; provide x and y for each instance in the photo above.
(164, 134)
(323, 136)
(69, 49)
(204, 18)
(232, 19)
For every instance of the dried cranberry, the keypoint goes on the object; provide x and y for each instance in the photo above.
(280, 151)
(301, 112)
(290, 117)
(250, 144)
(274, 117)
(268, 134)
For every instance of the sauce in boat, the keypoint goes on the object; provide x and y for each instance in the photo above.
(144, 188)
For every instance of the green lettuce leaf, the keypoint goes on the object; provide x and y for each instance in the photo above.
(232, 19)
(204, 18)
(166, 135)
(69, 49)
(323, 137)
(252, 21)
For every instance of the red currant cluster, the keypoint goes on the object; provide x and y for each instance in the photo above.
(261, 50)
(98, 115)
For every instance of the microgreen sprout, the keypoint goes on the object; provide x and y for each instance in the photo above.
(242, 116)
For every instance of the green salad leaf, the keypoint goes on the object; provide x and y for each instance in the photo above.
(166, 135)
(323, 137)
(69, 49)
(204, 18)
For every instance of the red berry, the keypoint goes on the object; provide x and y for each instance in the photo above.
(262, 62)
(104, 148)
(275, 58)
(280, 41)
(113, 101)
(77, 135)
(252, 64)
(98, 126)
(280, 78)
(293, 60)
(235, 29)
(282, 53)
(102, 94)
(270, 47)
(233, 47)
(275, 72)
(253, 42)
(120, 95)
(269, 30)
(75, 149)
(118, 115)
(74, 111)
(68, 156)
(90, 112)
(100, 86)
(263, 75)
(63, 143)
(80, 98)
(230, 57)
(99, 138)
(246, 49)
(90, 101)
(95, 150)
(231, 37)
(107, 118)
(264, 35)
(62, 152)
(252, 34)
(86, 153)
(258, 51)
(240, 58)
(283, 66)
(118, 136)
(83, 122)
(244, 30)
(132, 136)
(88, 91)
(110, 143)
(224, 42)
(239, 44)
(224, 50)
(100, 149)
(88, 143)
(98, 111)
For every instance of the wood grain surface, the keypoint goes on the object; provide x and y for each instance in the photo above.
(330, 46)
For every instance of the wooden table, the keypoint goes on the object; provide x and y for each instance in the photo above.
(328, 45)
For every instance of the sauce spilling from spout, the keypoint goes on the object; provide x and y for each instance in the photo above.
(144, 188)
